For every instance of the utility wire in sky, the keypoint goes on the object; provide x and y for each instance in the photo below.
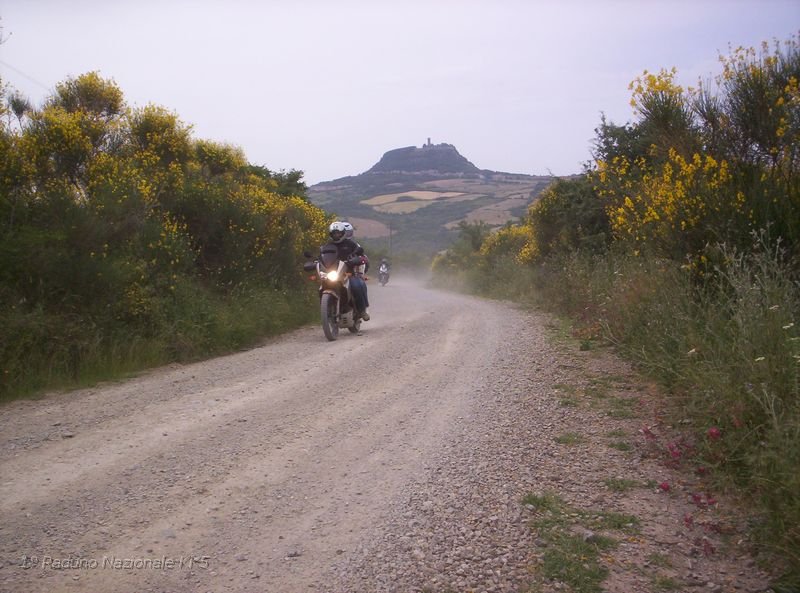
(21, 73)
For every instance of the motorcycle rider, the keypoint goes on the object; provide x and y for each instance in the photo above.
(351, 252)
(383, 271)
(349, 230)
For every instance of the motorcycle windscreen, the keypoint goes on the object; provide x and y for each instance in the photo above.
(329, 256)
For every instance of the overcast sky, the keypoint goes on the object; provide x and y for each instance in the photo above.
(328, 86)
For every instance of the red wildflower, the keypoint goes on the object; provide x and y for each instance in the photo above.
(714, 433)
(648, 434)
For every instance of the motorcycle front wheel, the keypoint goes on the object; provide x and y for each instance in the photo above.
(330, 325)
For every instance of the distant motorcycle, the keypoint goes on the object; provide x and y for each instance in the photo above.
(337, 307)
(383, 274)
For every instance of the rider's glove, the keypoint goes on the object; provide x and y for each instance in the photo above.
(356, 261)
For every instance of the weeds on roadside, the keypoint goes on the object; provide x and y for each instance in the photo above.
(44, 350)
(664, 583)
(572, 553)
(722, 337)
(727, 346)
(621, 484)
(570, 438)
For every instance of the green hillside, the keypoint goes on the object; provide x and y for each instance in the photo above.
(419, 195)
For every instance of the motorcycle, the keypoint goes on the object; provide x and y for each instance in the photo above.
(383, 274)
(337, 307)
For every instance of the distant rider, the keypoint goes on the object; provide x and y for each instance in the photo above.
(353, 254)
(383, 271)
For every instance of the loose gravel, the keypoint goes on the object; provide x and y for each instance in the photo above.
(397, 460)
(462, 525)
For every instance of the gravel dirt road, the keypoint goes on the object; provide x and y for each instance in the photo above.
(393, 460)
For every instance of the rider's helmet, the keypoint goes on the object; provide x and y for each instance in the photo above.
(383, 260)
(336, 231)
(348, 230)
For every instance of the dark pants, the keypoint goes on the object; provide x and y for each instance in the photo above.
(359, 290)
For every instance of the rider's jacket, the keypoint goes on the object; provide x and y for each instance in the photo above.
(347, 248)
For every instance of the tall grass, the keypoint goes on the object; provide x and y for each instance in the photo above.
(724, 341)
(48, 350)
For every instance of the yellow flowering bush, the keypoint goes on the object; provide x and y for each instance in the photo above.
(510, 243)
(700, 168)
(650, 85)
(91, 95)
(219, 158)
(116, 222)
(676, 207)
(57, 145)
(155, 131)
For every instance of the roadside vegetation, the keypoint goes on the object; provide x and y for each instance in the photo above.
(574, 542)
(680, 245)
(125, 242)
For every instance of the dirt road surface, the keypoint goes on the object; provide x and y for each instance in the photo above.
(393, 460)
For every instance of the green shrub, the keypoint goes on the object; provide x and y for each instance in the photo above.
(728, 348)
(124, 242)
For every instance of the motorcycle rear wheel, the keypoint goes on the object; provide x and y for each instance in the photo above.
(330, 324)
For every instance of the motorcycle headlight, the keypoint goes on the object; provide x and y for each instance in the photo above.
(333, 276)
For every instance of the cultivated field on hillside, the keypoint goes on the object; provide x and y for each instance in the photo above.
(512, 196)
(424, 212)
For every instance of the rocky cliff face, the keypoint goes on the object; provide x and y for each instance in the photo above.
(430, 158)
